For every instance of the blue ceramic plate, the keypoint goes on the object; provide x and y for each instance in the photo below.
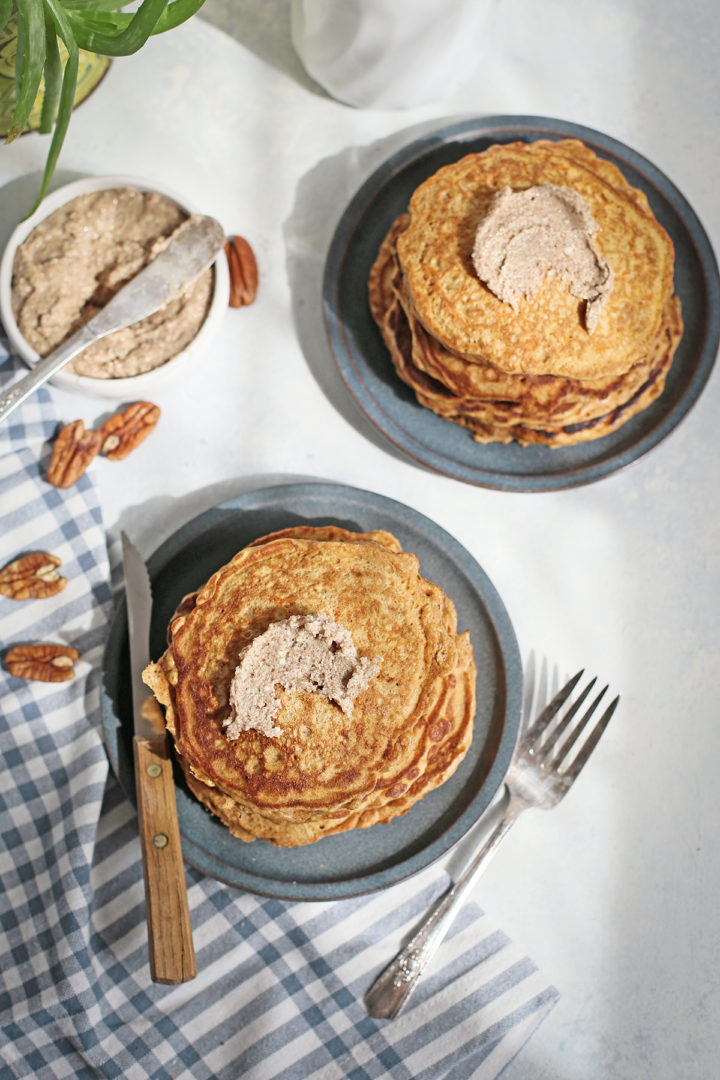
(439, 444)
(364, 859)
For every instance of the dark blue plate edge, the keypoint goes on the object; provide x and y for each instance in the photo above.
(517, 126)
(507, 654)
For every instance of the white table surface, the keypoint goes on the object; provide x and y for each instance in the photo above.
(615, 894)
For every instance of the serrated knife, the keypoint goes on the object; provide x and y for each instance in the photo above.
(172, 954)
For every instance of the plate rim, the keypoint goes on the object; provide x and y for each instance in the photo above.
(507, 655)
(505, 127)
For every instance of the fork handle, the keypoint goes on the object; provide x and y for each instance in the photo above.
(393, 986)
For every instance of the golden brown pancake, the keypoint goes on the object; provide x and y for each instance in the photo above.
(547, 410)
(450, 741)
(542, 400)
(545, 335)
(498, 404)
(486, 429)
(409, 727)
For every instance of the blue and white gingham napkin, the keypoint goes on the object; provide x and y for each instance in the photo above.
(280, 985)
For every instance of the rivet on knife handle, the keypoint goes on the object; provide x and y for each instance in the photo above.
(172, 954)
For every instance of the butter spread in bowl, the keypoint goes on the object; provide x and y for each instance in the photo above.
(69, 259)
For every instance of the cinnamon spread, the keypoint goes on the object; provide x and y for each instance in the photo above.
(304, 652)
(527, 234)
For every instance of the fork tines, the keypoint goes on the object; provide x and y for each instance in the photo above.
(554, 751)
(592, 739)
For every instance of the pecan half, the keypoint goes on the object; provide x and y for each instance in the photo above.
(243, 271)
(74, 449)
(31, 577)
(43, 663)
(126, 430)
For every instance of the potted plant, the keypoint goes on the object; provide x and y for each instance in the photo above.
(50, 36)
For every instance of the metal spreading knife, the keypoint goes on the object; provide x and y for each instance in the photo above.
(172, 954)
(190, 251)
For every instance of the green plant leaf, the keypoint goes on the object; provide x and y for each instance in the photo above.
(53, 79)
(101, 22)
(177, 11)
(55, 13)
(122, 42)
(6, 7)
(31, 30)
(94, 5)
(19, 55)
(102, 29)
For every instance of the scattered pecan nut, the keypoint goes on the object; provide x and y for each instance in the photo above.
(126, 430)
(31, 577)
(74, 449)
(243, 271)
(43, 663)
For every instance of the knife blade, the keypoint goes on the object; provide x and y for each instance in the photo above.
(189, 251)
(170, 943)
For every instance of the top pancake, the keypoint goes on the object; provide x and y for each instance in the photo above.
(546, 334)
(498, 406)
(450, 735)
(324, 764)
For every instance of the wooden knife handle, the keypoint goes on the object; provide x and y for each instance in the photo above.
(172, 954)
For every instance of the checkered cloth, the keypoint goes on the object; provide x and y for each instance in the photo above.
(280, 985)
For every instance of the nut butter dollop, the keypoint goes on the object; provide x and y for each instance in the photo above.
(527, 234)
(303, 652)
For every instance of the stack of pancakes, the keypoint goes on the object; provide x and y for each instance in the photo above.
(327, 772)
(533, 374)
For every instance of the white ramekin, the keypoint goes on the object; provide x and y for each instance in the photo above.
(136, 386)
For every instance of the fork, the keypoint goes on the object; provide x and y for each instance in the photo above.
(540, 775)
